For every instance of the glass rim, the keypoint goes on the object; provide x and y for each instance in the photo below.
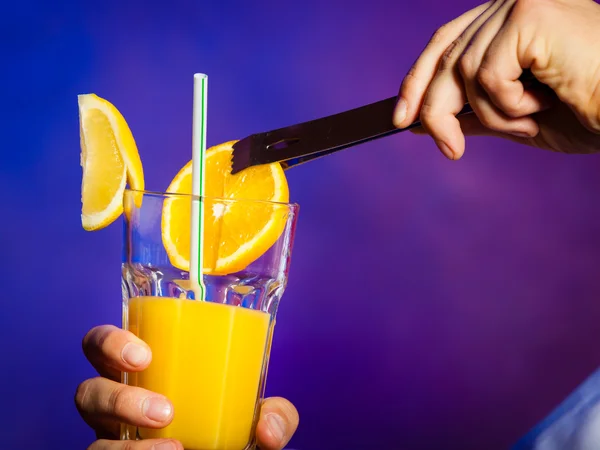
(206, 197)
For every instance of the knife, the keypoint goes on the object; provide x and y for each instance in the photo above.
(303, 142)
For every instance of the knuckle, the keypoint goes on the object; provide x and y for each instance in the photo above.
(81, 394)
(489, 121)
(410, 78)
(466, 66)
(89, 338)
(118, 401)
(451, 54)
(527, 11)
(439, 36)
(412, 74)
(97, 337)
(510, 108)
(427, 116)
(528, 5)
(104, 341)
(487, 79)
(128, 445)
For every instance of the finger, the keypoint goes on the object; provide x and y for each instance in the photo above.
(415, 83)
(147, 444)
(515, 120)
(99, 399)
(277, 423)
(446, 96)
(443, 101)
(112, 350)
(498, 65)
(471, 126)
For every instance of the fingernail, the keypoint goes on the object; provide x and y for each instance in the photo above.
(276, 425)
(167, 445)
(157, 409)
(446, 150)
(134, 354)
(400, 111)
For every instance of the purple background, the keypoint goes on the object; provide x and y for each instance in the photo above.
(432, 304)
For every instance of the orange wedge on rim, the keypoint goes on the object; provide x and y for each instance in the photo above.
(109, 159)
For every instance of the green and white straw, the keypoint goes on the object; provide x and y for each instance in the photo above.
(198, 170)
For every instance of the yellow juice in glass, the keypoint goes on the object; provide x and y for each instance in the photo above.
(208, 359)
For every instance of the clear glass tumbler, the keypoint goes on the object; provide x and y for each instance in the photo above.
(209, 357)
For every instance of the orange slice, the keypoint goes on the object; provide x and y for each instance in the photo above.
(235, 233)
(109, 159)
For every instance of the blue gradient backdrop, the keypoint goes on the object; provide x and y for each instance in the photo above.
(432, 304)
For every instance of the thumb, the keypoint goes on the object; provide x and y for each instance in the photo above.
(277, 423)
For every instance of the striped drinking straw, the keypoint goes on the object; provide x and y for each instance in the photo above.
(198, 170)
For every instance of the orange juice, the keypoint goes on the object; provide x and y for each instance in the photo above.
(208, 359)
